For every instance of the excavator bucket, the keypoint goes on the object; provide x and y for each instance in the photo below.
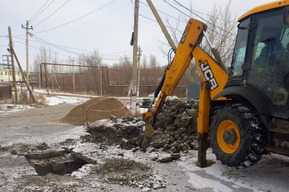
(149, 131)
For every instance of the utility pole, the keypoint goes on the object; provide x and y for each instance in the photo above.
(13, 65)
(27, 51)
(164, 29)
(101, 80)
(73, 76)
(135, 46)
(138, 74)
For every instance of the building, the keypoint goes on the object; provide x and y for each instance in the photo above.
(6, 73)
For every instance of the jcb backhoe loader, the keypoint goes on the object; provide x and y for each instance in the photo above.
(247, 112)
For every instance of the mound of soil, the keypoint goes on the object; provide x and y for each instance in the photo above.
(96, 109)
(176, 130)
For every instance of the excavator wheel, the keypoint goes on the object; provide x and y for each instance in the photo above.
(237, 135)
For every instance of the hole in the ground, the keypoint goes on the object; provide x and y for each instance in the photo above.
(61, 165)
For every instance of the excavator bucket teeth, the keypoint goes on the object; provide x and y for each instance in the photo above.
(149, 131)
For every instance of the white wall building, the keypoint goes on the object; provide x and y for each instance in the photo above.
(6, 74)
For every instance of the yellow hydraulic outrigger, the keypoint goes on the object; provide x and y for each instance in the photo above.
(214, 76)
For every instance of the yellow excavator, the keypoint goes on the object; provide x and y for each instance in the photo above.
(243, 110)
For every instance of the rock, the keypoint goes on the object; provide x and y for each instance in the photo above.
(158, 143)
(113, 118)
(175, 156)
(154, 158)
(146, 189)
(166, 158)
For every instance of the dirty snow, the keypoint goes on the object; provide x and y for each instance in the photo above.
(58, 100)
(13, 107)
(270, 174)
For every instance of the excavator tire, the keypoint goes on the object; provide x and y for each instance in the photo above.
(237, 135)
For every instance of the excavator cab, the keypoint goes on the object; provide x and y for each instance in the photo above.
(261, 57)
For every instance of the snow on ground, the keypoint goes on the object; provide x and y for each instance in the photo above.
(13, 107)
(58, 100)
(58, 137)
(268, 175)
(271, 173)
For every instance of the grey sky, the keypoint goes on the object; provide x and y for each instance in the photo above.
(107, 30)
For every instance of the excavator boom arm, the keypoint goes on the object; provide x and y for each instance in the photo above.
(187, 50)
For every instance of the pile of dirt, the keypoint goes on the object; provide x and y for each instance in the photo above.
(176, 130)
(176, 127)
(96, 109)
(126, 132)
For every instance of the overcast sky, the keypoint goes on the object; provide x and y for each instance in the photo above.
(108, 29)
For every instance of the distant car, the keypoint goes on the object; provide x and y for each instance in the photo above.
(147, 101)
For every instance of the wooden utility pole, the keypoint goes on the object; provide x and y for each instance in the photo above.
(25, 80)
(27, 51)
(134, 71)
(13, 65)
(138, 74)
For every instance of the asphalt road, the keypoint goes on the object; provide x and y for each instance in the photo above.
(33, 123)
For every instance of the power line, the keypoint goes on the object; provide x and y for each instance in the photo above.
(164, 13)
(65, 48)
(195, 15)
(52, 13)
(38, 10)
(56, 46)
(199, 12)
(42, 10)
(77, 18)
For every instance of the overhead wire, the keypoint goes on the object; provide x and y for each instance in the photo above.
(38, 10)
(42, 11)
(52, 13)
(66, 49)
(156, 21)
(67, 23)
(164, 13)
(195, 14)
(203, 19)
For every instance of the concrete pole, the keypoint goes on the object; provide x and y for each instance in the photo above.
(164, 29)
(101, 80)
(134, 71)
(13, 65)
(27, 50)
(138, 74)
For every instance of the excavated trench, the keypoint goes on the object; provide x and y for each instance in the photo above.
(56, 162)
